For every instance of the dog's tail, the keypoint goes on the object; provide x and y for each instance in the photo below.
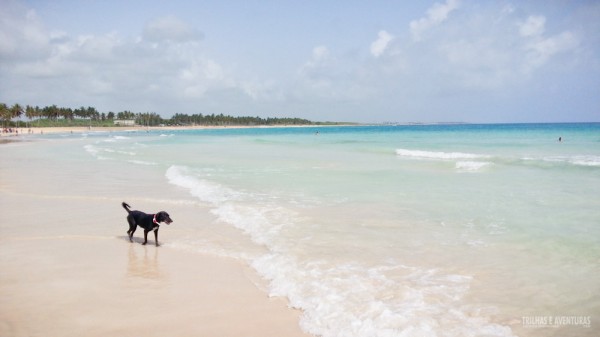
(124, 204)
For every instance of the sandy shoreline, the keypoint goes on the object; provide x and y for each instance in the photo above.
(69, 270)
(76, 129)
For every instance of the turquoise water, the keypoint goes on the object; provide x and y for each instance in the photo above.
(439, 230)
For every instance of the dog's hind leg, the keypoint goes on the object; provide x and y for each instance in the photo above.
(132, 228)
(130, 233)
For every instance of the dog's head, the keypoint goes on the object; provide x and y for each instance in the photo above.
(163, 216)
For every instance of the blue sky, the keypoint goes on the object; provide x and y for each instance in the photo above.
(359, 61)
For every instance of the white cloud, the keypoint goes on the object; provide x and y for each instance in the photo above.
(320, 53)
(379, 46)
(496, 49)
(202, 75)
(21, 33)
(534, 26)
(541, 50)
(315, 68)
(436, 14)
(170, 28)
(265, 90)
(508, 9)
(90, 67)
(480, 64)
(327, 76)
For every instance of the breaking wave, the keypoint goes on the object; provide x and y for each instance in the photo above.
(337, 299)
(419, 154)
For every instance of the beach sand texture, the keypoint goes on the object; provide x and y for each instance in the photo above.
(68, 269)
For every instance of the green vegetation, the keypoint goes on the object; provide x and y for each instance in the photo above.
(199, 119)
(53, 116)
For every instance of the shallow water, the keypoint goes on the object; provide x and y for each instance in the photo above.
(447, 230)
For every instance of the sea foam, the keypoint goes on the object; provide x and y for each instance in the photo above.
(202, 189)
(471, 166)
(577, 160)
(94, 151)
(337, 299)
(356, 300)
(585, 160)
(419, 154)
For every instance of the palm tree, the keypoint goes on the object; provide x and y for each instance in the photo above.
(51, 112)
(16, 111)
(4, 114)
(30, 113)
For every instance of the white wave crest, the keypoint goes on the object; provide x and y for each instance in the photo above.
(255, 222)
(202, 189)
(354, 300)
(578, 160)
(471, 166)
(419, 154)
(585, 161)
(142, 162)
(91, 149)
(94, 151)
(261, 224)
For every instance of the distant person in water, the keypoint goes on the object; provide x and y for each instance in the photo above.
(560, 139)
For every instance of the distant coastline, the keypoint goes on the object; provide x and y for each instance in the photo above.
(20, 133)
(24, 132)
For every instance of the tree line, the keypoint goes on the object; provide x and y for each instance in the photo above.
(221, 119)
(54, 115)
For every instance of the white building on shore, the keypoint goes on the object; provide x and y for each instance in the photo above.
(124, 122)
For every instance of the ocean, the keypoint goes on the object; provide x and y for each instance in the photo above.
(420, 230)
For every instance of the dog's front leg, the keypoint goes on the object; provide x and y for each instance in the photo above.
(145, 236)
(156, 237)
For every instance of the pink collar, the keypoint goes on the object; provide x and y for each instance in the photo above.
(154, 220)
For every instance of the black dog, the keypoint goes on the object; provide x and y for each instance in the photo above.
(148, 222)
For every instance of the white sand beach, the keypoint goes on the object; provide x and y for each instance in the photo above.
(79, 130)
(68, 268)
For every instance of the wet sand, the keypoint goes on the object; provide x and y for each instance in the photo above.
(68, 268)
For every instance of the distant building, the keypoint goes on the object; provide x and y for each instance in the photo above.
(124, 122)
